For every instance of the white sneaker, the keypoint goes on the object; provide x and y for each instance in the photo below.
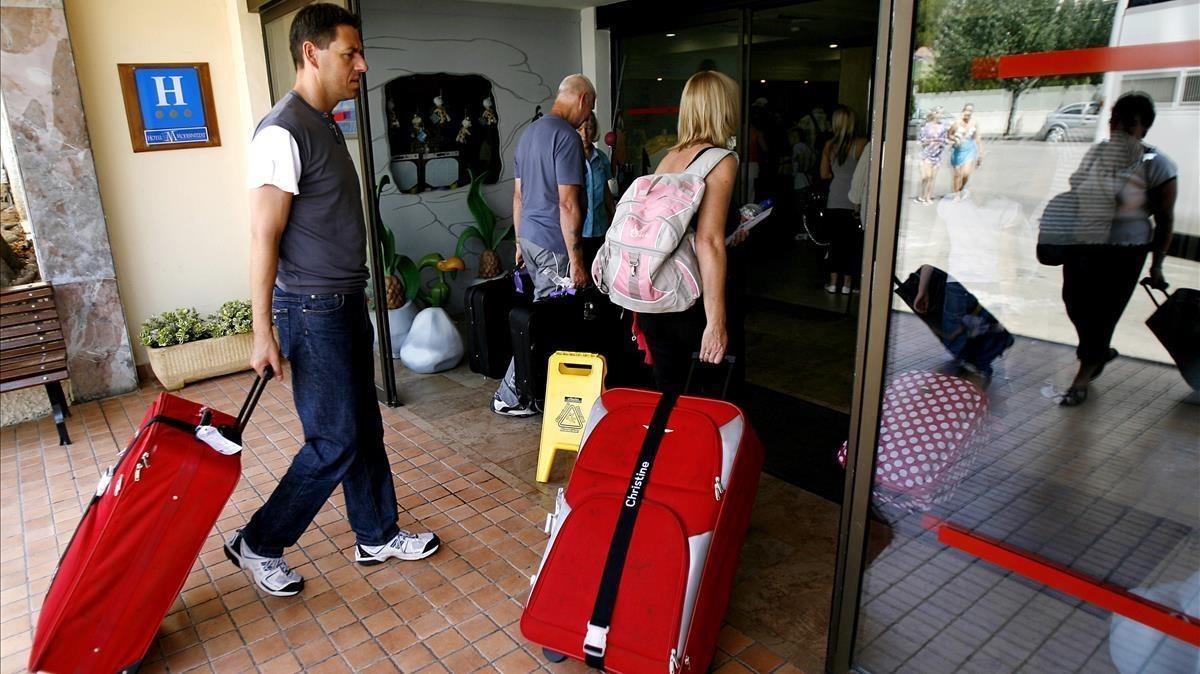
(845, 290)
(830, 288)
(271, 574)
(500, 408)
(405, 546)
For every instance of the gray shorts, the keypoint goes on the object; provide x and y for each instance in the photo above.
(549, 270)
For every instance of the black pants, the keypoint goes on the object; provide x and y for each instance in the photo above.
(845, 242)
(673, 338)
(1097, 284)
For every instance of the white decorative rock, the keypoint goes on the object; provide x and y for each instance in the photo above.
(400, 322)
(433, 343)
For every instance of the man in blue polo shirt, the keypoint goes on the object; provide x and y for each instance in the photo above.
(548, 210)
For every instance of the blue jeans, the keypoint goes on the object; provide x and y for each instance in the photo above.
(329, 342)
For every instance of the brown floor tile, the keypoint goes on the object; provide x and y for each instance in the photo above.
(414, 658)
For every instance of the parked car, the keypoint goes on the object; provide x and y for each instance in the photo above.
(918, 120)
(1072, 122)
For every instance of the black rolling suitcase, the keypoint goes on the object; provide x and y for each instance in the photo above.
(1176, 323)
(585, 321)
(967, 330)
(488, 302)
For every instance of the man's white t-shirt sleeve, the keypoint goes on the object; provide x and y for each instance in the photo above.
(275, 159)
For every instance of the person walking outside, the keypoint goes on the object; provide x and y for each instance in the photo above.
(967, 154)
(308, 274)
(548, 210)
(1099, 278)
(934, 139)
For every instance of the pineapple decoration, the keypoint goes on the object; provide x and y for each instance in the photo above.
(401, 276)
(485, 230)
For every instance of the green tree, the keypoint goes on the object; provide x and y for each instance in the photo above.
(972, 29)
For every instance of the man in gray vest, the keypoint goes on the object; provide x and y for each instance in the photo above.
(308, 273)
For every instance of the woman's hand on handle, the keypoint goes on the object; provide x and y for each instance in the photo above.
(714, 343)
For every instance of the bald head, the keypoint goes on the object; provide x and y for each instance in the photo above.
(575, 100)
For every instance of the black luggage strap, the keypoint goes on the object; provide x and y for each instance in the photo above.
(595, 643)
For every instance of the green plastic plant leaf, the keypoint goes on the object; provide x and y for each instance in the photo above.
(430, 260)
(505, 235)
(471, 232)
(480, 211)
(438, 294)
(410, 275)
(388, 241)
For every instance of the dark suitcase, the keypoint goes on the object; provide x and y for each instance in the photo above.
(967, 330)
(585, 321)
(489, 347)
(139, 537)
(1176, 323)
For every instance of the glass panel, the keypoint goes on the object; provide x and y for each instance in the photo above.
(1191, 88)
(652, 72)
(1037, 466)
(1160, 88)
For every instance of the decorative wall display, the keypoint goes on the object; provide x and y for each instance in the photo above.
(441, 129)
(169, 106)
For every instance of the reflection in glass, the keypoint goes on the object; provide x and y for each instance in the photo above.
(1067, 538)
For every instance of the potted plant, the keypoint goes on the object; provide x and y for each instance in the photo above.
(184, 348)
(484, 230)
(402, 281)
(433, 343)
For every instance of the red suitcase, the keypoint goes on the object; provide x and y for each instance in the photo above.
(691, 506)
(139, 538)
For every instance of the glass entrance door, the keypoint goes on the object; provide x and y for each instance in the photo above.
(1025, 429)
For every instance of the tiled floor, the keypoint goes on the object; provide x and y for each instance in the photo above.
(456, 612)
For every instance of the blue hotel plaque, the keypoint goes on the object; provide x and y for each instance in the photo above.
(169, 106)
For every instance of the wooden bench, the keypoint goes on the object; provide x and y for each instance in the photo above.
(32, 350)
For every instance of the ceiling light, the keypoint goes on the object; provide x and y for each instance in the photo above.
(833, 45)
(806, 81)
(660, 79)
(763, 81)
(670, 34)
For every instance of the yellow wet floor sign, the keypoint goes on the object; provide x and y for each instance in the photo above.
(573, 383)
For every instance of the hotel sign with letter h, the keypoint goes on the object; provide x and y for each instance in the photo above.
(169, 106)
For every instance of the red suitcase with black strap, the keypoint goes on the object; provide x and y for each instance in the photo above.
(644, 541)
(139, 537)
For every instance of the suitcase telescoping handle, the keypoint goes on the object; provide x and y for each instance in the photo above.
(1146, 283)
(256, 391)
(728, 361)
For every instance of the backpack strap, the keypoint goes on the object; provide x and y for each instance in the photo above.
(706, 160)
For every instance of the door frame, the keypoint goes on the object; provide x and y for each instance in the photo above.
(889, 122)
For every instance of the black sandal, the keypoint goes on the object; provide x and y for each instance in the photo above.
(1073, 396)
(1112, 355)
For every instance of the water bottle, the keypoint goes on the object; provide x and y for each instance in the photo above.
(753, 210)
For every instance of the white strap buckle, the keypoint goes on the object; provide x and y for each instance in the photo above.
(596, 641)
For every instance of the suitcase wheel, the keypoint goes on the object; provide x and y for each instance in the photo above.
(553, 656)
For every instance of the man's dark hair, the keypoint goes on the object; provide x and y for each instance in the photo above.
(318, 24)
(1132, 108)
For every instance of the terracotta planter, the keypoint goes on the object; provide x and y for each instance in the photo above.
(186, 363)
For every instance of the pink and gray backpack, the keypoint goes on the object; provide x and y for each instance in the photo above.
(647, 262)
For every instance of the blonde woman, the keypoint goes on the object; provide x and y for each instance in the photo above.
(838, 161)
(708, 118)
(968, 150)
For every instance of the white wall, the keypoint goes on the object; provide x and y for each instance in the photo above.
(523, 51)
(178, 220)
